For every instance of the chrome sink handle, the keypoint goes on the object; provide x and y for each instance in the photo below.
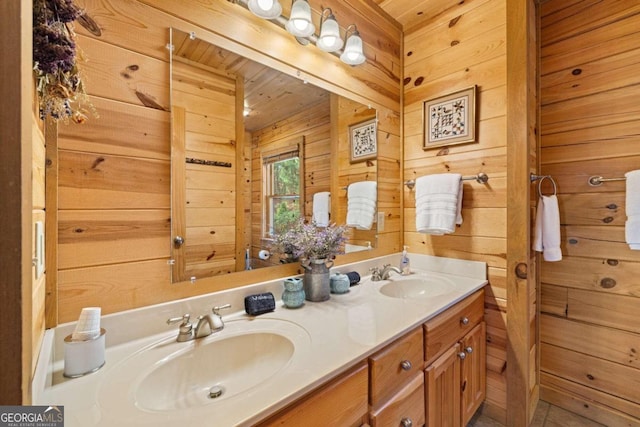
(375, 274)
(216, 309)
(218, 323)
(185, 331)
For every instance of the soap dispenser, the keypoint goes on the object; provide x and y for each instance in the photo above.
(405, 266)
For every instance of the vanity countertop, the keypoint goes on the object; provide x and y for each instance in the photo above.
(336, 334)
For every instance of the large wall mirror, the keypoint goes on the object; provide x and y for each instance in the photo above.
(252, 150)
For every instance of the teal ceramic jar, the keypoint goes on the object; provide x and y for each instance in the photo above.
(340, 283)
(293, 295)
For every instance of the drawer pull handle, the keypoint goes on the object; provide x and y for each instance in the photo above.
(406, 422)
(406, 365)
(464, 321)
(462, 355)
(469, 350)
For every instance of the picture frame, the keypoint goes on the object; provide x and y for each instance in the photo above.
(450, 119)
(363, 141)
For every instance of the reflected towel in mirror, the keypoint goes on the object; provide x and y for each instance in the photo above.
(321, 208)
(361, 204)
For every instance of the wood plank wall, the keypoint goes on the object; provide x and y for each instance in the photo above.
(462, 46)
(114, 172)
(590, 86)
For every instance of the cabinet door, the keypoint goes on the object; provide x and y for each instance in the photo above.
(443, 390)
(473, 369)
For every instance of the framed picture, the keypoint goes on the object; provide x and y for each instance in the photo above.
(363, 141)
(450, 119)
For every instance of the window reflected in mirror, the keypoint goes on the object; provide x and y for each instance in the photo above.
(282, 192)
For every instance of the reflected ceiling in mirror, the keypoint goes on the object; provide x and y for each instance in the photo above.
(269, 95)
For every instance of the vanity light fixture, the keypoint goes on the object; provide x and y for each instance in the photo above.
(299, 23)
(353, 54)
(267, 9)
(301, 26)
(329, 40)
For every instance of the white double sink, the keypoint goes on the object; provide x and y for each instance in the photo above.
(172, 376)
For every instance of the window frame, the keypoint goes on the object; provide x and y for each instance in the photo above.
(269, 159)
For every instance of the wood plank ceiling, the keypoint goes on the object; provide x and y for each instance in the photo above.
(413, 14)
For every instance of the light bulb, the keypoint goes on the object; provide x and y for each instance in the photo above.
(266, 9)
(299, 23)
(353, 54)
(329, 39)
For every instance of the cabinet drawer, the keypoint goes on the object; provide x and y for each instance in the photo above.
(395, 365)
(407, 404)
(441, 332)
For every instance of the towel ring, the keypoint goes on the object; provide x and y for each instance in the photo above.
(555, 188)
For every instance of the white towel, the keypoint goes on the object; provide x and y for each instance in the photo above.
(438, 203)
(321, 208)
(547, 230)
(361, 204)
(632, 208)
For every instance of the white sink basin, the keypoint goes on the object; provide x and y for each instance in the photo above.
(170, 376)
(423, 286)
(229, 366)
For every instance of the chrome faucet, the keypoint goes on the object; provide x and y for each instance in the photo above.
(204, 327)
(377, 274)
(207, 324)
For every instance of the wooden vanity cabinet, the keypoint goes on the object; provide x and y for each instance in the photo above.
(455, 351)
(393, 388)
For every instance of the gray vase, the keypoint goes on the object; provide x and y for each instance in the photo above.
(317, 284)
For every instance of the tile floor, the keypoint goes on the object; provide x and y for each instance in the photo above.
(546, 416)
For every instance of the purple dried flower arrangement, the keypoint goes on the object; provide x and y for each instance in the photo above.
(307, 241)
(58, 84)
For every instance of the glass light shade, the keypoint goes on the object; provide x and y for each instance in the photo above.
(299, 23)
(267, 9)
(353, 54)
(329, 39)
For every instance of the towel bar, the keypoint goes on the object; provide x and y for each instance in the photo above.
(594, 181)
(481, 178)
